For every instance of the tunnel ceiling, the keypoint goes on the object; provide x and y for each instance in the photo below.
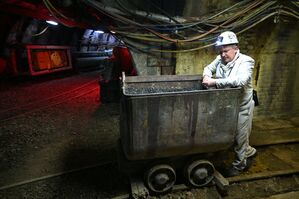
(84, 13)
(154, 22)
(65, 12)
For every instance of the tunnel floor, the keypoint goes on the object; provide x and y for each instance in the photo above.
(51, 128)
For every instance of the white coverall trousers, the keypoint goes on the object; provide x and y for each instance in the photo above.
(243, 149)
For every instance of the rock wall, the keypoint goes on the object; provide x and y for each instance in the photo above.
(276, 77)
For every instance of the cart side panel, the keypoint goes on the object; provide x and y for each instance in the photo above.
(167, 125)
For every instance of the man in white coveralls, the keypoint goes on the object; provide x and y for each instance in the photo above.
(233, 69)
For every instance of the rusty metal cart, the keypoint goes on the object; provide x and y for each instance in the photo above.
(170, 116)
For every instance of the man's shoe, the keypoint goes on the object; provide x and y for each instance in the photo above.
(233, 172)
(249, 161)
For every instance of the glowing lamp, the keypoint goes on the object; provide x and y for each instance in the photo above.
(54, 23)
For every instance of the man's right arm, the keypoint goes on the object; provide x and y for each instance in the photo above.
(210, 69)
(208, 72)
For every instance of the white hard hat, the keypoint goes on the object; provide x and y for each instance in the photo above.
(225, 38)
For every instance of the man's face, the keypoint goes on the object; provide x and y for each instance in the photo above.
(227, 53)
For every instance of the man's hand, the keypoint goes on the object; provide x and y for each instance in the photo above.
(208, 81)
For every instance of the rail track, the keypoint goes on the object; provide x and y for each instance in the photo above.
(46, 102)
(276, 158)
(273, 160)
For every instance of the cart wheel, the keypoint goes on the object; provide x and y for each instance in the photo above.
(160, 178)
(199, 173)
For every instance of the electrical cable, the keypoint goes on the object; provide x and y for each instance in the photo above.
(243, 16)
(249, 18)
(55, 10)
(40, 33)
(122, 19)
(128, 10)
(64, 20)
(173, 27)
(54, 15)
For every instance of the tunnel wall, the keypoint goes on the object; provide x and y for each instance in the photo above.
(276, 77)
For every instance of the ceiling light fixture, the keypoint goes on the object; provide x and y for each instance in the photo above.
(99, 31)
(54, 23)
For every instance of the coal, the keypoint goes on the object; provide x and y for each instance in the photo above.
(159, 90)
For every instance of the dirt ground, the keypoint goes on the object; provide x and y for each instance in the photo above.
(57, 140)
(48, 126)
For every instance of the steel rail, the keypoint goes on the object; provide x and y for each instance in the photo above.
(178, 187)
(35, 109)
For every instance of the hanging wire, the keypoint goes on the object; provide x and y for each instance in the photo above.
(41, 32)
(239, 18)
(55, 10)
(123, 19)
(54, 14)
(59, 17)
(154, 20)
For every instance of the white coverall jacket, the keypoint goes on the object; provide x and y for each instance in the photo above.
(237, 73)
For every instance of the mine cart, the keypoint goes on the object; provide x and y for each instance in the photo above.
(170, 116)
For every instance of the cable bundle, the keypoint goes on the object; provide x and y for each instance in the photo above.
(151, 32)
